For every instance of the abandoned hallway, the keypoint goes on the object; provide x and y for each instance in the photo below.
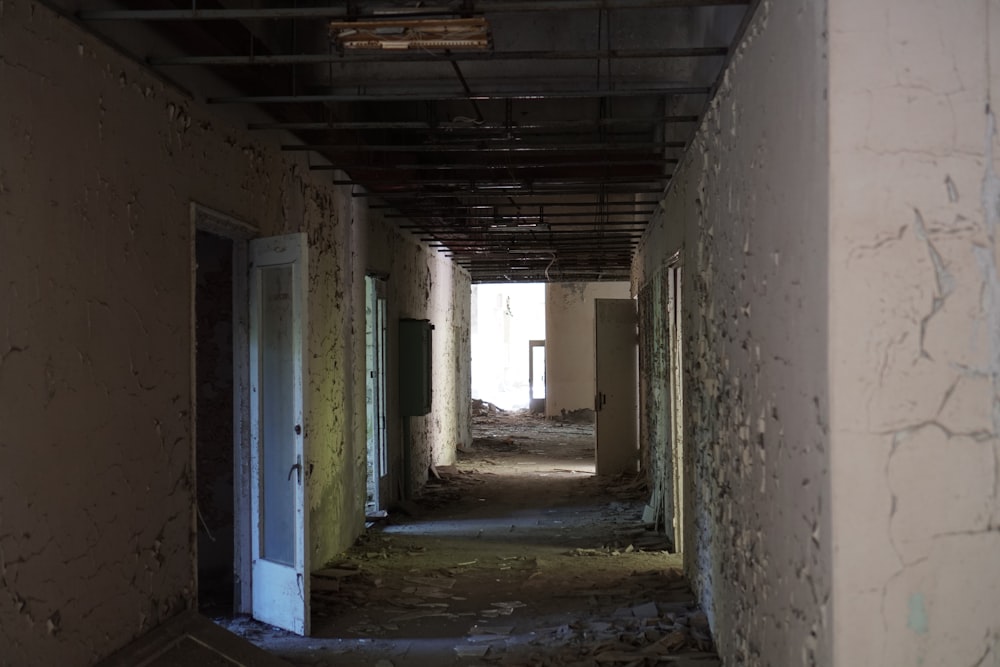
(517, 555)
(238, 246)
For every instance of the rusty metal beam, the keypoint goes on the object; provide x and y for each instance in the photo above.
(480, 96)
(554, 240)
(452, 126)
(574, 204)
(473, 166)
(517, 216)
(603, 223)
(456, 56)
(482, 195)
(508, 186)
(513, 148)
(385, 11)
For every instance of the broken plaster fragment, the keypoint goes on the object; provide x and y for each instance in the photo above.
(513, 604)
(52, 624)
(493, 631)
(647, 610)
(432, 582)
(472, 650)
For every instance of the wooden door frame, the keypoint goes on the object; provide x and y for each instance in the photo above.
(205, 219)
(380, 343)
(535, 405)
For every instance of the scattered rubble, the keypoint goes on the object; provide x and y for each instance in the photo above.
(482, 408)
(581, 416)
(507, 563)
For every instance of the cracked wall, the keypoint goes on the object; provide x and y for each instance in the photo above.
(746, 210)
(425, 285)
(915, 331)
(657, 453)
(99, 163)
(569, 343)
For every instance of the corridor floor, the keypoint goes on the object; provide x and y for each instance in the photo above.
(517, 555)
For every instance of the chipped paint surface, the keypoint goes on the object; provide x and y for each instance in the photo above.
(100, 163)
(915, 332)
(569, 347)
(746, 209)
(656, 418)
(424, 285)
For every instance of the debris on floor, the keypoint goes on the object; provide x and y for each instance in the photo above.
(581, 416)
(504, 560)
(481, 408)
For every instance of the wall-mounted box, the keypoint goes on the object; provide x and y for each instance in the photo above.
(414, 367)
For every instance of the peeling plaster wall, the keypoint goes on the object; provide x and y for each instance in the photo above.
(99, 163)
(424, 285)
(569, 342)
(747, 210)
(335, 422)
(915, 331)
(655, 428)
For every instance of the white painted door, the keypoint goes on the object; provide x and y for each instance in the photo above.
(616, 404)
(278, 280)
(375, 332)
(675, 337)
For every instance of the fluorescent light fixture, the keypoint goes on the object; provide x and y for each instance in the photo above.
(402, 34)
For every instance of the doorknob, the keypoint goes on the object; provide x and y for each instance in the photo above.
(297, 469)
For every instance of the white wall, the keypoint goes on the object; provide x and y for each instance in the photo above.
(747, 210)
(914, 317)
(569, 333)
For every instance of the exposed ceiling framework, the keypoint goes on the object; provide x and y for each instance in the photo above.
(528, 140)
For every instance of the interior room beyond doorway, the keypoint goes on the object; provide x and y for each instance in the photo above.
(506, 318)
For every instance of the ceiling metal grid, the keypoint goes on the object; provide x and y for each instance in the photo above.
(532, 150)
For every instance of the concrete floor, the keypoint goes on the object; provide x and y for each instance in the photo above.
(519, 555)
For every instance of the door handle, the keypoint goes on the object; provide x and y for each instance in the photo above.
(297, 469)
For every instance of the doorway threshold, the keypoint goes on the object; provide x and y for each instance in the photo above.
(191, 639)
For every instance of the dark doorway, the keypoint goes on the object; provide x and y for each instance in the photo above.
(214, 390)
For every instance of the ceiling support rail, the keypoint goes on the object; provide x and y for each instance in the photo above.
(483, 195)
(466, 126)
(385, 10)
(495, 95)
(455, 56)
(452, 148)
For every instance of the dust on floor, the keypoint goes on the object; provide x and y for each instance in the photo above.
(516, 555)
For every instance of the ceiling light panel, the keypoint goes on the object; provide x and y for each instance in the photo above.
(400, 35)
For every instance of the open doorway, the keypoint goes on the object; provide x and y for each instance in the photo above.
(221, 413)
(510, 383)
(375, 352)
(675, 341)
(505, 319)
(248, 315)
(536, 377)
(214, 450)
